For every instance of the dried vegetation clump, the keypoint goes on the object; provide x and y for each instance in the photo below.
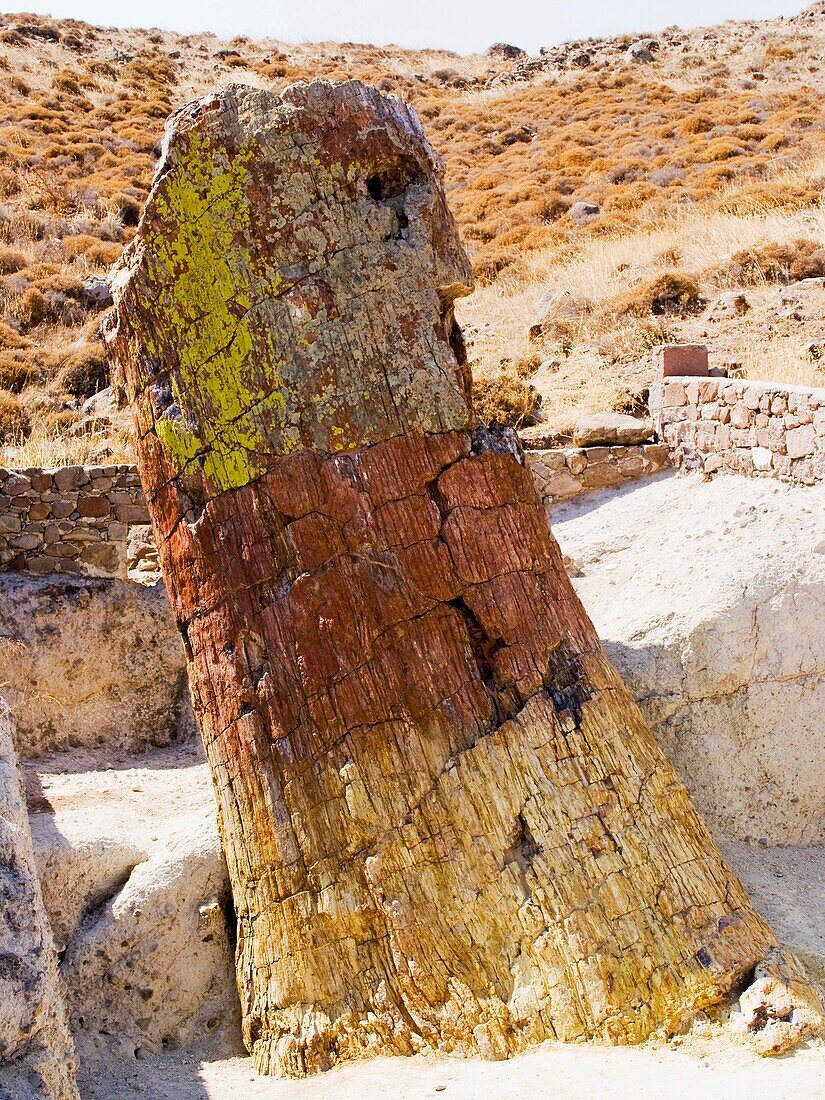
(504, 398)
(773, 262)
(578, 156)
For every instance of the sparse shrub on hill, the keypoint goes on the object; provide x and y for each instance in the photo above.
(14, 422)
(505, 398)
(81, 119)
(672, 292)
(773, 263)
(11, 261)
(32, 308)
(697, 124)
(10, 338)
(66, 81)
(16, 371)
(128, 209)
(85, 372)
(780, 51)
(99, 253)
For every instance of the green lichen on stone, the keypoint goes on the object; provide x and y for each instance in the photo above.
(197, 244)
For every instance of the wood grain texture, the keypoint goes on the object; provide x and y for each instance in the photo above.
(446, 823)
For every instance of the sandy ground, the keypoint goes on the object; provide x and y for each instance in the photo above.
(709, 1070)
(787, 887)
(786, 883)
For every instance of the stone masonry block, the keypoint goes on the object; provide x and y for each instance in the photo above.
(800, 441)
(678, 360)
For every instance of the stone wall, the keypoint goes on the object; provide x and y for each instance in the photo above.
(74, 519)
(758, 428)
(84, 519)
(569, 472)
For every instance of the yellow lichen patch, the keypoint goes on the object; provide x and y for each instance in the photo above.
(205, 313)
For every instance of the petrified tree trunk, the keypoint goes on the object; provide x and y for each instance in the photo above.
(445, 820)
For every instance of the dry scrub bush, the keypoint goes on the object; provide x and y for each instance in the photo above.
(772, 263)
(504, 398)
(85, 372)
(32, 308)
(14, 423)
(99, 253)
(16, 371)
(79, 139)
(48, 444)
(11, 261)
(672, 292)
(780, 51)
(10, 338)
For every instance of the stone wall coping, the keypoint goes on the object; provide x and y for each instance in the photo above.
(564, 472)
(762, 385)
(111, 470)
(590, 450)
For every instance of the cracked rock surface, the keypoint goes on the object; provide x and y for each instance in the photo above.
(135, 887)
(37, 1059)
(446, 823)
(90, 663)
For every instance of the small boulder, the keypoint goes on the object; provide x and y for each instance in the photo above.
(101, 405)
(95, 292)
(607, 429)
(96, 414)
(503, 51)
(642, 52)
(560, 305)
(778, 1010)
(583, 213)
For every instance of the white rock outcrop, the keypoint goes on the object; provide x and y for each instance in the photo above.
(710, 598)
(91, 662)
(136, 889)
(36, 1052)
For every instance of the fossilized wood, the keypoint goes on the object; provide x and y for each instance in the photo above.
(445, 821)
(37, 1060)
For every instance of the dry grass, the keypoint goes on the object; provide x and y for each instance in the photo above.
(47, 446)
(709, 151)
(784, 361)
(596, 352)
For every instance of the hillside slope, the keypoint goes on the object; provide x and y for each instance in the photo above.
(628, 172)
